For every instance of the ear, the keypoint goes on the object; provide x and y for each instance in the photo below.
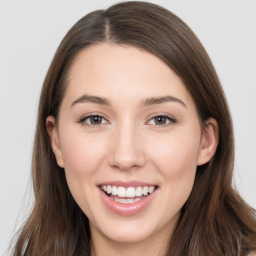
(54, 139)
(209, 141)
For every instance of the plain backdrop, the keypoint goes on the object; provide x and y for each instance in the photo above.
(30, 32)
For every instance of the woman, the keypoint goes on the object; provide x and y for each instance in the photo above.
(134, 147)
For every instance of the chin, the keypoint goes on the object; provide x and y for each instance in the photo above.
(130, 230)
(124, 236)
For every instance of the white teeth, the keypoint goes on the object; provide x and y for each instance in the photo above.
(151, 189)
(114, 191)
(121, 192)
(145, 191)
(126, 201)
(109, 189)
(130, 192)
(139, 191)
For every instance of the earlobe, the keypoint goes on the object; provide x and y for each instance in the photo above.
(209, 141)
(54, 139)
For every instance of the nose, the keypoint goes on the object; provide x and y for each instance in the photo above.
(126, 150)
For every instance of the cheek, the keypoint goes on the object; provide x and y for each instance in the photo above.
(176, 160)
(82, 157)
(82, 154)
(176, 153)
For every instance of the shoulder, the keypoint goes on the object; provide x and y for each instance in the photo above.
(252, 254)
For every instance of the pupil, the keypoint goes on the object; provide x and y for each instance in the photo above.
(95, 120)
(160, 120)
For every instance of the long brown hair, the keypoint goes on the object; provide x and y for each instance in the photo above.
(214, 220)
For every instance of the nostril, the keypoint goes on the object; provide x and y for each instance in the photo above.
(127, 161)
(126, 152)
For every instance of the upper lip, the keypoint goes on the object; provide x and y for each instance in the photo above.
(132, 183)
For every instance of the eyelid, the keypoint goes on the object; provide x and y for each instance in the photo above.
(167, 116)
(83, 118)
(172, 119)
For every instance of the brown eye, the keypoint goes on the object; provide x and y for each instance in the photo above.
(161, 120)
(93, 120)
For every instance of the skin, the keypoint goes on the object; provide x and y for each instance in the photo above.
(129, 144)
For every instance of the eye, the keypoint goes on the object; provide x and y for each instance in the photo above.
(93, 120)
(161, 120)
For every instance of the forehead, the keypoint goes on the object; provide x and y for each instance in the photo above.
(122, 72)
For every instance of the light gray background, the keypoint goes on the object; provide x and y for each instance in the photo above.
(30, 32)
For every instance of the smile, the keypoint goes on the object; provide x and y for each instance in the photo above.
(127, 198)
(127, 195)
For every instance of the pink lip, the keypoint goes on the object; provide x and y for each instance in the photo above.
(126, 209)
(126, 184)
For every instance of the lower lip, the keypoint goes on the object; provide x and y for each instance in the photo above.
(126, 209)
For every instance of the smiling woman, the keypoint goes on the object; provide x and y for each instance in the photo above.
(134, 145)
(132, 152)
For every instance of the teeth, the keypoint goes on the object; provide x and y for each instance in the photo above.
(145, 191)
(138, 191)
(151, 189)
(126, 201)
(129, 192)
(109, 189)
(121, 192)
(114, 191)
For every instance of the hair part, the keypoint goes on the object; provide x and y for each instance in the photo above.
(214, 220)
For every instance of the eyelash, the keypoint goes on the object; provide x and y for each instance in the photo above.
(83, 120)
(170, 120)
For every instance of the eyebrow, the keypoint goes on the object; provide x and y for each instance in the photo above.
(85, 98)
(164, 99)
(91, 99)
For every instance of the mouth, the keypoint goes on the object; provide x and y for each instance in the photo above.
(127, 195)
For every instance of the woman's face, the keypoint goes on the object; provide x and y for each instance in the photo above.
(129, 140)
